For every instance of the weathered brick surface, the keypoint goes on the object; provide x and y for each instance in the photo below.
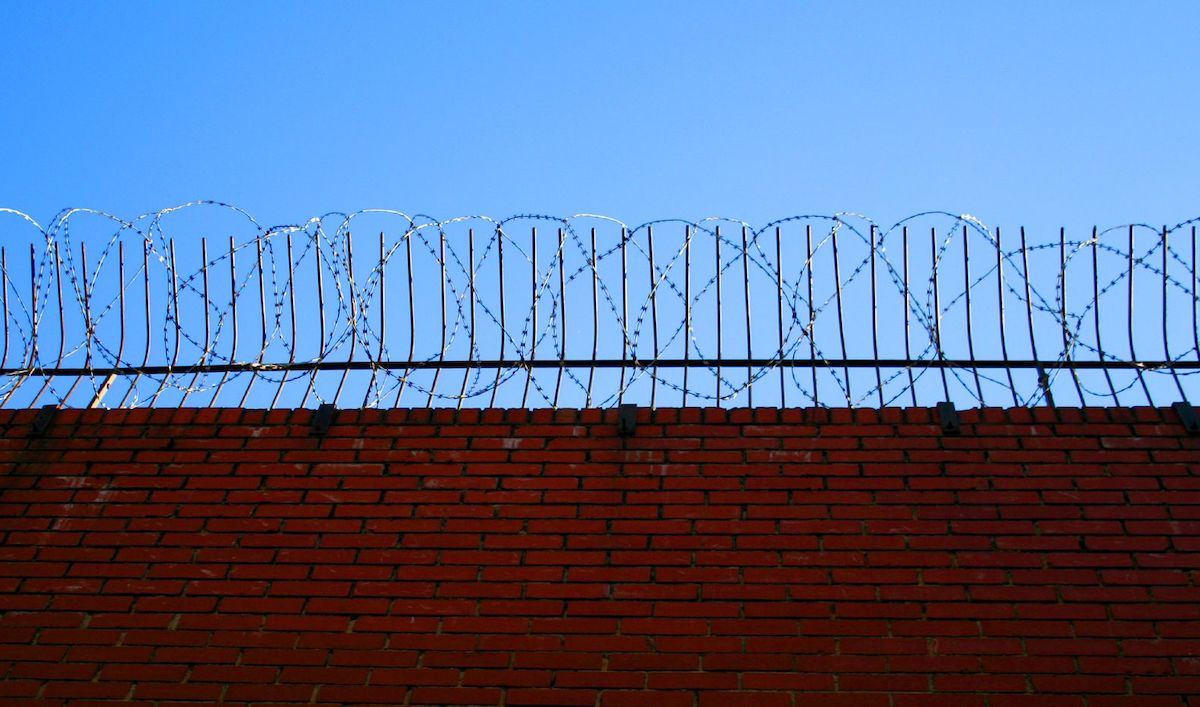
(749, 557)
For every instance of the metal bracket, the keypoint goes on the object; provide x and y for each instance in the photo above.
(948, 416)
(627, 420)
(41, 421)
(1187, 415)
(98, 398)
(322, 418)
(1044, 383)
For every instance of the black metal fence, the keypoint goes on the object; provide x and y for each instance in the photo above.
(201, 305)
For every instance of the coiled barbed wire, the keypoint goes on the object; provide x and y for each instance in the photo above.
(588, 311)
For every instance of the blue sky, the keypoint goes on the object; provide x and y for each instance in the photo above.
(1043, 114)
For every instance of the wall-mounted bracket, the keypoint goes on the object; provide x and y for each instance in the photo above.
(948, 417)
(1044, 383)
(322, 418)
(102, 390)
(43, 418)
(1187, 415)
(627, 420)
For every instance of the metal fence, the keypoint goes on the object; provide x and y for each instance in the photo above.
(200, 305)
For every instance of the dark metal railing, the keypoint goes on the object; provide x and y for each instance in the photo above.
(201, 305)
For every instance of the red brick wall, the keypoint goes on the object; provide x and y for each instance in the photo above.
(504, 557)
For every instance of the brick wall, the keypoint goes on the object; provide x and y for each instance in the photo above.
(750, 557)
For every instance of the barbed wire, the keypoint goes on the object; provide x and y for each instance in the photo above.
(186, 304)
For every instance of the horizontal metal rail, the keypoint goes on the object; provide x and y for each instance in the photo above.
(202, 305)
(871, 363)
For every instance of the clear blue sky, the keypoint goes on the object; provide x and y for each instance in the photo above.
(1037, 114)
(1021, 113)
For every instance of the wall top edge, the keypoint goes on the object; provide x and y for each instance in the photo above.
(645, 415)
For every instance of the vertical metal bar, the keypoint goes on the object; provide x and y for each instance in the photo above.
(1012, 386)
(837, 276)
(62, 325)
(442, 352)
(262, 318)
(720, 337)
(35, 323)
(120, 361)
(353, 315)
(147, 300)
(967, 291)
(175, 316)
(653, 314)
(534, 297)
(291, 289)
(1129, 322)
(106, 385)
(233, 292)
(35, 318)
(1043, 378)
(312, 378)
(1195, 313)
(624, 315)
(21, 378)
(688, 232)
(90, 328)
(412, 317)
(203, 354)
(1096, 318)
(533, 303)
(812, 320)
(912, 383)
(374, 384)
(132, 390)
(1067, 344)
(533, 279)
(174, 308)
(1166, 343)
(562, 299)
(462, 393)
(595, 320)
(937, 311)
(746, 293)
(504, 328)
(4, 299)
(779, 313)
(503, 321)
(88, 331)
(875, 320)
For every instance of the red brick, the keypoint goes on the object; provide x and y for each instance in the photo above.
(613, 698)
(977, 683)
(454, 695)
(1039, 700)
(272, 693)
(320, 675)
(556, 697)
(1078, 684)
(233, 674)
(89, 690)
